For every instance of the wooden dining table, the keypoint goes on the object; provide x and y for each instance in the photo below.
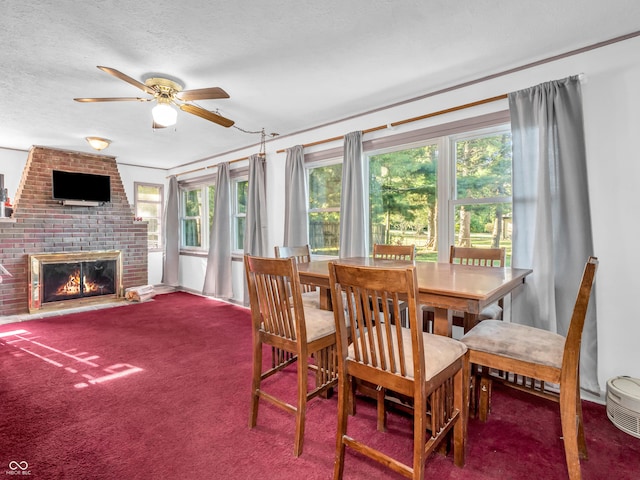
(446, 287)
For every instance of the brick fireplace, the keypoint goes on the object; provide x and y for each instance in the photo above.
(42, 228)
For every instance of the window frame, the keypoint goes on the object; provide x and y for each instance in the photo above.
(445, 141)
(236, 215)
(137, 202)
(204, 186)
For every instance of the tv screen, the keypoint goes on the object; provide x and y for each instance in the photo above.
(86, 187)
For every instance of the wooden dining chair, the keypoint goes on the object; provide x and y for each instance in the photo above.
(429, 369)
(301, 253)
(280, 320)
(478, 257)
(530, 359)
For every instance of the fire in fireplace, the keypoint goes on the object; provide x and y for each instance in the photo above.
(62, 280)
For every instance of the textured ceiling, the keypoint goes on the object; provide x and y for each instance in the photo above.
(287, 65)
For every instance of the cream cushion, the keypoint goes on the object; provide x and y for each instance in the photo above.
(319, 323)
(519, 342)
(439, 352)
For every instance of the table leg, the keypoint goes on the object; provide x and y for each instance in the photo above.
(325, 299)
(442, 322)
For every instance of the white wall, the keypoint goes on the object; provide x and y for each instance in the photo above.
(612, 122)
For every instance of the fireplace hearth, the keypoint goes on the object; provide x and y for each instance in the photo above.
(65, 280)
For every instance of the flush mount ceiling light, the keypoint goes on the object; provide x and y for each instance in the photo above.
(98, 143)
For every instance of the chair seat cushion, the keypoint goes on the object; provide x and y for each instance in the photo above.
(519, 342)
(320, 323)
(311, 299)
(439, 351)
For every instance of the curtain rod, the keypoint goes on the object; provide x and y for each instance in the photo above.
(207, 167)
(409, 120)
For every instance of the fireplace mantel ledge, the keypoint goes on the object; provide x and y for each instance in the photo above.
(7, 220)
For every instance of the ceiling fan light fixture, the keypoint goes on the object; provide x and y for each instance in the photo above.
(98, 143)
(164, 115)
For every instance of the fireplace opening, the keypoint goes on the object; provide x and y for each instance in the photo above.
(65, 281)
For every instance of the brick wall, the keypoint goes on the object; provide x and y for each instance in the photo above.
(43, 225)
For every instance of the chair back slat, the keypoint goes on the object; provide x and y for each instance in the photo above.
(480, 257)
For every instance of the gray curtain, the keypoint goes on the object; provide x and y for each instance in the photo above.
(255, 236)
(354, 241)
(170, 266)
(295, 199)
(217, 280)
(255, 233)
(551, 216)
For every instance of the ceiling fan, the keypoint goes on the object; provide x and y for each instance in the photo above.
(167, 92)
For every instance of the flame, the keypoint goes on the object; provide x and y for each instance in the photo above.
(72, 286)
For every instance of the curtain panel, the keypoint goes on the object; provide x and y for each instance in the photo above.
(217, 280)
(296, 231)
(171, 241)
(354, 238)
(551, 215)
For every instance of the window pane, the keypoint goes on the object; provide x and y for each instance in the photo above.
(191, 229)
(325, 184)
(192, 204)
(240, 221)
(484, 225)
(212, 203)
(483, 167)
(149, 193)
(241, 192)
(149, 210)
(403, 199)
(324, 233)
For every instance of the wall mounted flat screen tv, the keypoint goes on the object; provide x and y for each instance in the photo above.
(84, 187)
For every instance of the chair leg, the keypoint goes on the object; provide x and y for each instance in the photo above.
(381, 410)
(569, 420)
(301, 409)
(255, 383)
(345, 400)
(460, 403)
(484, 396)
(420, 438)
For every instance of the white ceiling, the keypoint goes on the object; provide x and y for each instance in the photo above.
(288, 65)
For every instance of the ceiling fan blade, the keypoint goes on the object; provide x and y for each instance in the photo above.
(113, 99)
(202, 94)
(206, 114)
(128, 79)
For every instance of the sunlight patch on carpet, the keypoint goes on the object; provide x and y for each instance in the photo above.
(73, 361)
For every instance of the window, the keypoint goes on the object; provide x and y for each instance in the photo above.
(240, 187)
(197, 204)
(149, 201)
(451, 189)
(325, 185)
(482, 196)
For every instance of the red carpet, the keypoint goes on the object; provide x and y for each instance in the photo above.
(159, 390)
